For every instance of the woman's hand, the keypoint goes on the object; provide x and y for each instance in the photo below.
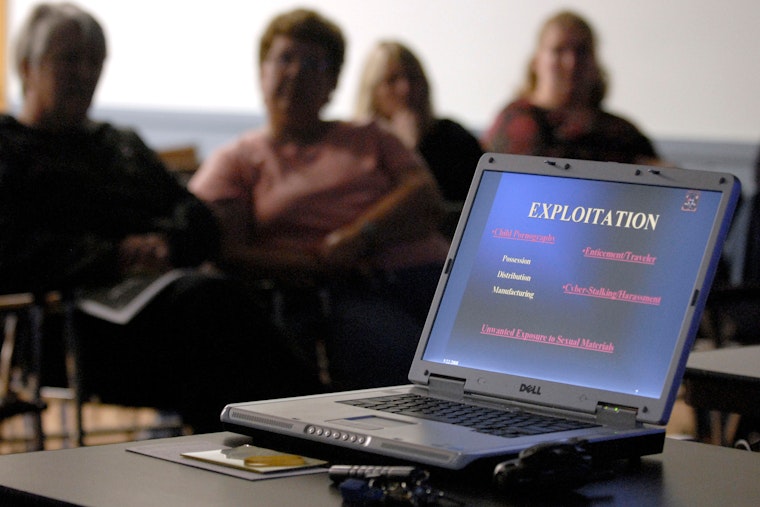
(405, 125)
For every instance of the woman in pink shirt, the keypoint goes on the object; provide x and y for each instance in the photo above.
(328, 208)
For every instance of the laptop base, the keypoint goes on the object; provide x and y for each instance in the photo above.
(610, 450)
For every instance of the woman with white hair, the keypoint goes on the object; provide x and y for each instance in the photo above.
(85, 204)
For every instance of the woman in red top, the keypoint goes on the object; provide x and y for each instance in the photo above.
(559, 111)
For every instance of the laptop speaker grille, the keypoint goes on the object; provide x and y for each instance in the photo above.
(437, 456)
(251, 418)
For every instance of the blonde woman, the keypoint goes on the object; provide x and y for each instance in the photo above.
(395, 91)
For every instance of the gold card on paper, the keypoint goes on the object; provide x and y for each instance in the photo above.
(255, 459)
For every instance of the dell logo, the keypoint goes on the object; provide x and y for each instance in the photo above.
(527, 388)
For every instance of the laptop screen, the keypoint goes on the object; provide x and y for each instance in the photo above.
(576, 281)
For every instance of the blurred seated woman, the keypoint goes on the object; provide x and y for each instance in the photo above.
(559, 111)
(84, 204)
(395, 91)
(331, 209)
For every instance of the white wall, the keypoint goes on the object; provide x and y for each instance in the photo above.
(687, 69)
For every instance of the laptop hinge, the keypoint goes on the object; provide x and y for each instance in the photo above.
(616, 416)
(446, 387)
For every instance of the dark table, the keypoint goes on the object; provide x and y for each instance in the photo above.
(685, 474)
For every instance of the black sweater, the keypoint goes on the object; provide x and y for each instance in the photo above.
(68, 199)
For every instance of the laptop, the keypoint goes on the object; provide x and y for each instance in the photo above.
(572, 293)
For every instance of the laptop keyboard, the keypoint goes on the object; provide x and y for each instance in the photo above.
(493, 421)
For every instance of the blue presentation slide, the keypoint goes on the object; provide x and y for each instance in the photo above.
(573, 280)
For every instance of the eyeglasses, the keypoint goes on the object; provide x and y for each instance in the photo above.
(306, 62)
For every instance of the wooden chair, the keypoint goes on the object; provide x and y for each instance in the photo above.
(25, 398)
(181, 160)
(29, 396)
